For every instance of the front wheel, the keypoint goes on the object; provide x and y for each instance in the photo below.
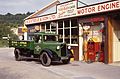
(45, 59)
(18, 57)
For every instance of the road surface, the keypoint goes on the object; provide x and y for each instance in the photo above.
(11, 69)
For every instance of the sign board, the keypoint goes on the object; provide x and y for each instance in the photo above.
(69, 9)
(109, 6)
(41, 19)
(24, 29)
(86, 27)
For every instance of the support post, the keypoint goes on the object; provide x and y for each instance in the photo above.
(80, 43)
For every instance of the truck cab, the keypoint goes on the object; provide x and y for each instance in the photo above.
(44, 46)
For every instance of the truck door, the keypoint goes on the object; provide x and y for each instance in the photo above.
(38, 40)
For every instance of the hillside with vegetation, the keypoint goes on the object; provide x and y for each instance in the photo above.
(9, 21)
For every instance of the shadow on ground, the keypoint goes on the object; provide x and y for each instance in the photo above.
(38, 62)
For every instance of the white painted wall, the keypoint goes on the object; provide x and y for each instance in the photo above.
(116, 47)
(116, 41)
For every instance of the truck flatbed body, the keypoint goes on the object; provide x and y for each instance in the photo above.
(27, 44)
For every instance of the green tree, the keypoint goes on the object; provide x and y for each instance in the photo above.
(9, 21)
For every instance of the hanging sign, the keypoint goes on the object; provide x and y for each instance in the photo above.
(24, 29)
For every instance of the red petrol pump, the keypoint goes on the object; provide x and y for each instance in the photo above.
(94, 51)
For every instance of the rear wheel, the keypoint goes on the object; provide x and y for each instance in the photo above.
(45, 59)
(17, 54)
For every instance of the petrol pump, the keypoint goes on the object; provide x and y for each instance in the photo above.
(94, 51)
(93, 47)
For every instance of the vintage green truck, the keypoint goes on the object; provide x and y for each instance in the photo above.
(44, 46)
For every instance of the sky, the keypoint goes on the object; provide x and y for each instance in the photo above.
(24, 6)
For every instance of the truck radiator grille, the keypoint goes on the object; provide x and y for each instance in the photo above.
(63, 50)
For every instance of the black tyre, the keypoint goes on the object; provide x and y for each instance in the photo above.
(45, 59)
(66, 61)
(18, 57)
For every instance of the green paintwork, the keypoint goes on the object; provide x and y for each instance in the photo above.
(51, 45)
(37, 47)
(22, 44)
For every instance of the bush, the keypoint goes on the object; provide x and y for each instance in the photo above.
(4, 43)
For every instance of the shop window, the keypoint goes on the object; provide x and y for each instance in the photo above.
(53, 26)
(67, 36)
(42, 29)
(74, 35)
(47, 26)
(74, 31)
(67, 23)
(60, 30)
(60, 23)
(70, 35)
(67, 31)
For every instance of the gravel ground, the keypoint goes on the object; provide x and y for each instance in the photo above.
(11, 69)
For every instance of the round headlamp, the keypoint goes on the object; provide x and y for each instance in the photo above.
(58, 47)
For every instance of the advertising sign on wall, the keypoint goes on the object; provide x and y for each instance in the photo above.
(99, 8)
(41, 19)
(67, 9)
